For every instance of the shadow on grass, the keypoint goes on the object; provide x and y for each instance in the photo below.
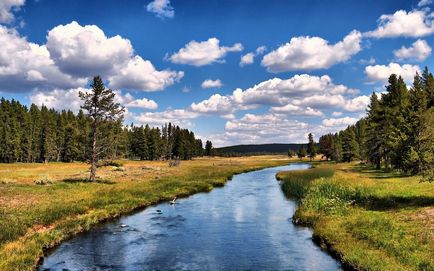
(374, 173)
(375, 203)
(84, 180)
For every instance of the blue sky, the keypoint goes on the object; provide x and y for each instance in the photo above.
(232, 71)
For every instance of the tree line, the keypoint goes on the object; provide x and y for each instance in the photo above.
(397, 133)
(40, 134)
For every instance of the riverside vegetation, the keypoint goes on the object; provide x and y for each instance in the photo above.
(370, 219)
(36, 217)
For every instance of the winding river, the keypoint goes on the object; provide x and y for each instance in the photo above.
(245, 225)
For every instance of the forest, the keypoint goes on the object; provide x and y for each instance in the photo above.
(40, 134)
(397, 133)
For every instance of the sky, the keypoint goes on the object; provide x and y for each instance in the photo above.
(234, 72)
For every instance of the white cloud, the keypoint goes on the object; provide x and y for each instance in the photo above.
(68, 99)
(161, 8)
(358, 104)
(337, 114)
(140, 74)
(419, 51)
(424, 3)
(129, 101)
(311, 53)
(340, 122)
(247, 59)
(303, 95)
(176, 116)
(212, 83)
(381, 73)
(72, 55)
(58, 99)
(415, 23)
(26, 66)
(86, 50)
(6, 9)
(296, 110)
(203, 53)
(215, 104)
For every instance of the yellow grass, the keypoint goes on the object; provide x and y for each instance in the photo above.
(35, 217)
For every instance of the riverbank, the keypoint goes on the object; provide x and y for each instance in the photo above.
(371, 220)
(42, 205)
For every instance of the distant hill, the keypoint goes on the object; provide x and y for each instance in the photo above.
(275, 148)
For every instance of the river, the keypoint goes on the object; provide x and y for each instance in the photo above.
(245, 225)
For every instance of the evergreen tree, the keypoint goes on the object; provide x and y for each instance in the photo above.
(311, 149)
(301, 152)
(100, 105)
(208, 148)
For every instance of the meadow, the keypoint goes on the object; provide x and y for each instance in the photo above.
(44, 204)
(370, 219)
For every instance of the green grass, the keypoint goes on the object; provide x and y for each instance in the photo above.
(372, 220)
(37, 217)
(295, 183)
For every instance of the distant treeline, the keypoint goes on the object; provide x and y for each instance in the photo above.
(398, 131)
(43, 135)
(256, 149)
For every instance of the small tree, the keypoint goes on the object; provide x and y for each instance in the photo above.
(100, 106)
(208, 148)
(291, 153)
(301, 152)
(311, 149)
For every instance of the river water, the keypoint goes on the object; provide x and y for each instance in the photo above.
(245, 225)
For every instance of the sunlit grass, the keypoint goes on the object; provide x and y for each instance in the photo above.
(35, 217)
(372, 220)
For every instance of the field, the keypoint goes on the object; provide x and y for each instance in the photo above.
(43, 204)
(371, 220)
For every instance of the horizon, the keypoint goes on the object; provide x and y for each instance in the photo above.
(236, 74)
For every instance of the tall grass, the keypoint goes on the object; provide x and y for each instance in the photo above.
(296, 183)
(370, 223)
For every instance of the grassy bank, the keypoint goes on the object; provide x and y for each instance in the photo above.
(34, 217)
(372, 220)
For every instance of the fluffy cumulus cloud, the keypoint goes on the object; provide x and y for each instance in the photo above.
(380, 73)
(26, 66)
(212, 83)
(311, 53)
(203, 53)
(300, 95)
(418, 51)
(140, 74)
(86, 50)
(176, 116)
(161, 8)
(415, 23)
(6, 8)
(249, 58)
(339, 122)
(72, 54)
(217, 103)
(68, 99)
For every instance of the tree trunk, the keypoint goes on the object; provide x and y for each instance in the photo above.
(93, 160)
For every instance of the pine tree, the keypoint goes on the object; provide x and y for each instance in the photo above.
(311, 149)
(100, 105)
(208, 148)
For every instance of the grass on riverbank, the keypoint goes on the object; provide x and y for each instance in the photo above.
(36, 217)
(372, 220)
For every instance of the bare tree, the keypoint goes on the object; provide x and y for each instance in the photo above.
(100, 106)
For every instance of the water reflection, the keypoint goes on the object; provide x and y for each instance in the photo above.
(245, 225)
